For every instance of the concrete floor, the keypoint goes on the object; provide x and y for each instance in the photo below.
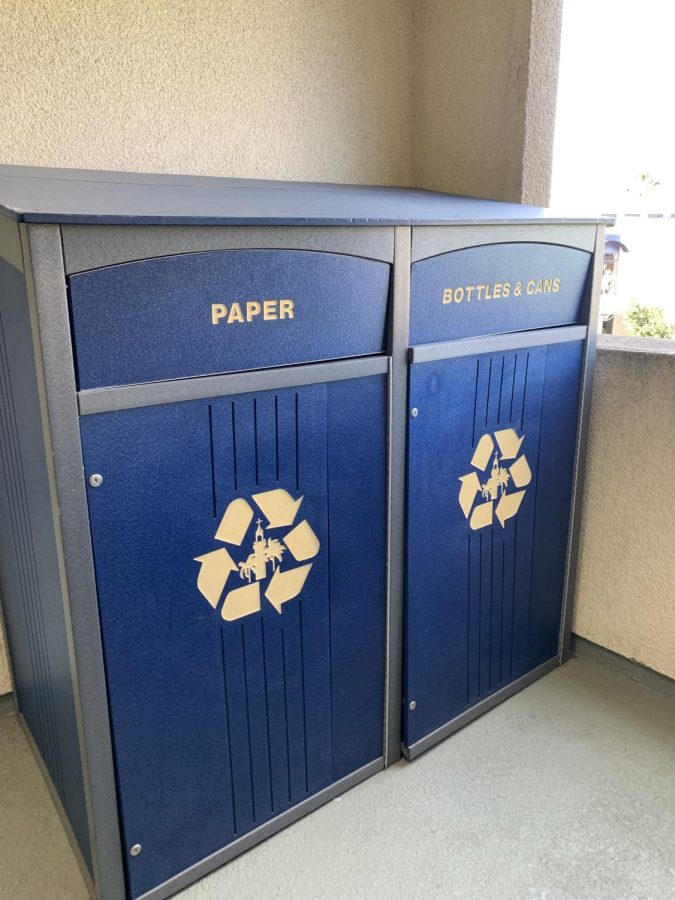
(566, 791)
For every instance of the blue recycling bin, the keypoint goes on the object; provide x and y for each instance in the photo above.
(289, 481)
(243, 638)
(497, 351)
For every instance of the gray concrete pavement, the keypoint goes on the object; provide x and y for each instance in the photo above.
(564, 792)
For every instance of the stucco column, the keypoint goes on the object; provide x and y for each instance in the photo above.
(484, 91)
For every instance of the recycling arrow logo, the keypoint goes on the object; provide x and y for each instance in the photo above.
(496, 492)
(265, 569)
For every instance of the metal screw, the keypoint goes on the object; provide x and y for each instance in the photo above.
(96, 480)
(135, 850)
(414, 412)
(413, 704)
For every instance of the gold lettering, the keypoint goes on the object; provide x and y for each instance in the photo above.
(496, 290)
(236, 314)
(249, 310)
(218, 312)
(286, 309)
(270, 309)
(252, 310)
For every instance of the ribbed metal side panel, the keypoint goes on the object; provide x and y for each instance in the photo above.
(29, 573)
(39, 705)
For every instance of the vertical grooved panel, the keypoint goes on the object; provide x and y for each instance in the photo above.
(298, 477)
(228, 729)
(493, 440)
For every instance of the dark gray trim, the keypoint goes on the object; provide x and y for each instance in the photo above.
(592, 308)
(398, 400)
(10, 243)
(431, 240)
(494, 343)
(630, 668)
(56, 800)
(157, 392)
(220, 857)
(92, 246)
(32, 194)
(49, 313)
(414, 750)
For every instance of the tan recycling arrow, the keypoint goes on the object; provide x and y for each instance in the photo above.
(521, 472)
(241, 602)
(467, 492)
(214, 571)
(302, 542)
(279, 507)
(481, 516)
(483, 452)
(234, 524)
(508, 506)
(509, 442)
(285, 586)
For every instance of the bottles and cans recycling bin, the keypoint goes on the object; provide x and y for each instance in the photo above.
(242, 425)
(498, 350)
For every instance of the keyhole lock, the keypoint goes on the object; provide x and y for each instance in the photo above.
(96, 480)
(414, 412)
(135, 850)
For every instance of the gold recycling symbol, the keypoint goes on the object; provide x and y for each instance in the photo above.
(262, 568)
(495, 491)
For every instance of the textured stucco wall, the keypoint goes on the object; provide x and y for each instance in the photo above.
(485, 78)
(470, 83)
(540, 101)
(626, 586)
(291, 89)
(454, 96)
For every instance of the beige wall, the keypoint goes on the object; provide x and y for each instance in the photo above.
(540, 101)
(444, 94)
(626, 586)
(485, 78)
(291, 89)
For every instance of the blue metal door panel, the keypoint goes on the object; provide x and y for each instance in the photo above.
(224, 311)
(491, 459)
(496, 288)
(234, 692)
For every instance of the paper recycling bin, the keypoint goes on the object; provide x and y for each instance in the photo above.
(498, 342)
(204, 412)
